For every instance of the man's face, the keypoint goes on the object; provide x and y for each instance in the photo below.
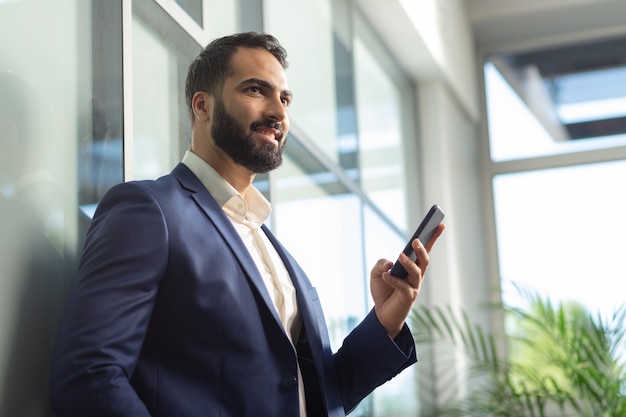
(237, 141)
(250, 121)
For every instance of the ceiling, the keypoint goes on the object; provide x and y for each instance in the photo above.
(562, 57)
(505, 24)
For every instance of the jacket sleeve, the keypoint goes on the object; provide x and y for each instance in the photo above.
(368, 358)
(109, 308)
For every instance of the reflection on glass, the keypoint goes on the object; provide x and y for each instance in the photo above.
(311, 72)
(45, 91)
(100, 152)
(568, 245)
(381, 156)
(193, 9)
(224, 17)
(397, 397)
(161, 129)
(381, 241)
(153, 124)
(319, 222)
(100, 157)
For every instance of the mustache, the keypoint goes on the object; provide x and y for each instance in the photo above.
(269, 123)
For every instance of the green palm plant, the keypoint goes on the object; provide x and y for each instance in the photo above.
(561, 360)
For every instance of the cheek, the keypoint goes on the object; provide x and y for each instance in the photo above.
(245, 117)
(242, 111)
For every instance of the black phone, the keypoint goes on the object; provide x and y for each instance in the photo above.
(424, 232)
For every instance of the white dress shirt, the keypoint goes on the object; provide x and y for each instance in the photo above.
(247, 214)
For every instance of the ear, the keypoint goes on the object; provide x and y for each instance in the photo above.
(202, 105)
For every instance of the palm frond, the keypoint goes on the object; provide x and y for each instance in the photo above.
(564, 358)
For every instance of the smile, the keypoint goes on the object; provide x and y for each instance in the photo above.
(270, 133)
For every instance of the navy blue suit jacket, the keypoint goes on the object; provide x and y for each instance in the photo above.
(170, 317)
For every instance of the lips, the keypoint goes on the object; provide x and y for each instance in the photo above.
(269, 129)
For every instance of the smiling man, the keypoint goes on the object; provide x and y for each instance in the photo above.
(243, 122)
(186, 305)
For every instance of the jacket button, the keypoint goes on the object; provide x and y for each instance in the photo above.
(290, 382)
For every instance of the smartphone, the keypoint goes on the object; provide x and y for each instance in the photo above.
(424, 232)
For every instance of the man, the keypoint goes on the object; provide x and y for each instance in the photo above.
(186, 305)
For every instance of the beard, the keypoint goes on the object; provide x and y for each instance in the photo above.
(231, 137)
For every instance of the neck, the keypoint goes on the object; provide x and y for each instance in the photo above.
(236, 175)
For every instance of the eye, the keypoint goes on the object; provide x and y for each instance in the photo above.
(286, 101)
(254, 89)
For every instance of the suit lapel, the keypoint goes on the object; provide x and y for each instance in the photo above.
(308, 301)
(313, 321)
(216, 215)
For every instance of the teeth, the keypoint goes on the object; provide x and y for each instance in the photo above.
(267, 132)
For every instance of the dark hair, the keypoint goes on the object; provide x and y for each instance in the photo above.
(208, 71)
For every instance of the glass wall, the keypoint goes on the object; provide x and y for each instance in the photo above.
(312, 71)
(161, 53)
(319, 220)
(383, 109)
(47, 115)
(339, 199)
(94, 96)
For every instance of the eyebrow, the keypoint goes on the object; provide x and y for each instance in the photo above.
(265, 84)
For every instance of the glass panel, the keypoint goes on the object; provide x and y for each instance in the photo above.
(559, 100)
(380, 109)
(193, 8)
(312, 66)
(45, 112)
(161, 55)
(100, 153)
(381, 241)
(568, 245)
(224, 17)
(330, 251)
(397, 397)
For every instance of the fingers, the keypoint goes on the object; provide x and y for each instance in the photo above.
(405, 291)
(381, 266)
(415, 269)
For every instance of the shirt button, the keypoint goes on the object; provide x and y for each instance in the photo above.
(290, 382)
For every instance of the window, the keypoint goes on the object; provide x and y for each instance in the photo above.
(558, 100)
(558, 146)
(319, 221)
(312, 71)
(49, 121)
(382, 106)
(161, 53)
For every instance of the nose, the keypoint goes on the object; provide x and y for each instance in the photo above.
(277, 110)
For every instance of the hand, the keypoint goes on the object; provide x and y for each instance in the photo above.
(394, 297)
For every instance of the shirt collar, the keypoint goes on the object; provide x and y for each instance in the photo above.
(252, 207)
